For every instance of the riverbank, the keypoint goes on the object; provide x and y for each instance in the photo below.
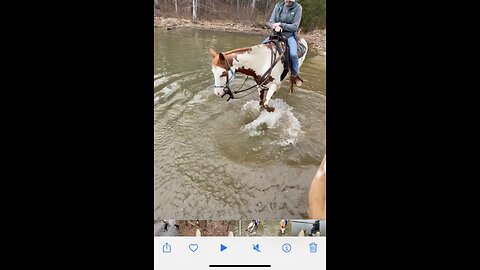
(316, 39)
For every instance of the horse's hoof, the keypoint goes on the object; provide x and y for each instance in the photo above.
(269, 109)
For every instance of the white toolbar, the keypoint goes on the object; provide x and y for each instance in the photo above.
(239, 253)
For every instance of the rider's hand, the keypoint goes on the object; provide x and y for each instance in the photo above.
(278, 29)
(275, 25)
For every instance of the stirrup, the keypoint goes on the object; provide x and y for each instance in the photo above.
(297, 77)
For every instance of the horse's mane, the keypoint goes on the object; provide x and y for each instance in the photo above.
(242, 50)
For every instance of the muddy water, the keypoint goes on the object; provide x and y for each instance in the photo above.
(215, 159)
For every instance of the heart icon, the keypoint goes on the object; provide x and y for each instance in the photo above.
(193, 247)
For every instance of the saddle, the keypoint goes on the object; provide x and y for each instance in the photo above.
(301, 49)
(282, 46)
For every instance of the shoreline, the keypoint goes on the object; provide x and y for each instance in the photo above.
(316, 39)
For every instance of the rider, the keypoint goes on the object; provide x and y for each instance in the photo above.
(287, 16)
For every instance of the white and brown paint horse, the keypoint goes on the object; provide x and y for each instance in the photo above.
(255, 61)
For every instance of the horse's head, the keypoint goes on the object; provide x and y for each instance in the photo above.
(222, 73)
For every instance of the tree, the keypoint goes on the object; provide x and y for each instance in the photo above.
(194, 10)
(251, 11)
(314, 14)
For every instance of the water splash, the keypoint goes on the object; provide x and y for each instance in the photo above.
(159, 81)
(155, 76)
(169, 89)
(282, 118)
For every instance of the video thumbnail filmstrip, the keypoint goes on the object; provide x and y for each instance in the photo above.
(240, 228)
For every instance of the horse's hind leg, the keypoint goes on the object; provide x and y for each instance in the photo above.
(271, 91)
(291, 84)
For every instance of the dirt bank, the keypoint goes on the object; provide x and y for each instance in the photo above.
(316, 39)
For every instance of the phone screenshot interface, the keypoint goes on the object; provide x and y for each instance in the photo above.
(239, 134)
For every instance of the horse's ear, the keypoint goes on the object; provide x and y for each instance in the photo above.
(213, 53)
(221, 57)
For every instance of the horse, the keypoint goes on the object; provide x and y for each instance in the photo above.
(317, 196)
(262, 62)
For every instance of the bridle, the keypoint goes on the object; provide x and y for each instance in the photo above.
(226, 86)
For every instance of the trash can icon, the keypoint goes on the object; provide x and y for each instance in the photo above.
(313, 247)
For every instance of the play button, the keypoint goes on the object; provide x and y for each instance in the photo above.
(222, 247)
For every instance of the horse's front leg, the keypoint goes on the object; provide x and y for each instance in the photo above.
(271, 90)
(261, 97)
